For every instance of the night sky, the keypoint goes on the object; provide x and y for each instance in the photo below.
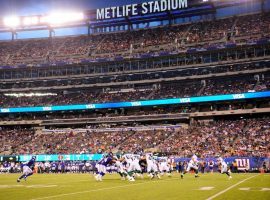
(33, 7)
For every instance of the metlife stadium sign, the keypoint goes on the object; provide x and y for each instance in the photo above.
(140, 9)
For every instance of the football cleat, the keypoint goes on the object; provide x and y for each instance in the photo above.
(97, 177)
(158, 176)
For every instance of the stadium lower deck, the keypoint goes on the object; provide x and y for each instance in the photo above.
(243, 186)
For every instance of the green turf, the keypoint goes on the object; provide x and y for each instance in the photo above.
(83, 186)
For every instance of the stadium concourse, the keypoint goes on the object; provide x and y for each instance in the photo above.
(175, 100)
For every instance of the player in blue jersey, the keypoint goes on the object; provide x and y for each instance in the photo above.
(102, 165)
(27, 169)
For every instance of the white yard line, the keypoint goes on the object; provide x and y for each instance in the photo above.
(101, 189)
(227, 189)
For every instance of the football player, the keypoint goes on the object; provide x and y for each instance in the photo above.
(27, 169)
(152, 167)
(164, 166)
(102, 165)
(224, 169)
(192, 164)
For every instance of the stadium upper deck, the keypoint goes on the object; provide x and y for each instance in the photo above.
(221, 56)
(208, 26)
(178, 40)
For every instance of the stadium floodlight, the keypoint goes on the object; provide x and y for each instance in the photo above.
(58, 18)
(11, 21)
(30, 20)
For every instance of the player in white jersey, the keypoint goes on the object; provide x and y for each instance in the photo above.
(152, 168)
(164, 166)
(133, 167)
(121, 169)
(130, 166)
(224, 169)
(136, 165)
(192, 164)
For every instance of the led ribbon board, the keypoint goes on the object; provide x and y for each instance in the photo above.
(200, 99)
(58, 157)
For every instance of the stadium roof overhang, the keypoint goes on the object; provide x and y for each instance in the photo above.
(195, 8)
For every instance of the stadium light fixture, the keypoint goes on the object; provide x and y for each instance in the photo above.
(30, 20)
(58, 18)
(11, 21)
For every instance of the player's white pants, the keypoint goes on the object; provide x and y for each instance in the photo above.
(191, 166)
(151, 167)
(224, 168)
(120, 167)
(164, 167)
(134, 166)
(101, 168)
(27, 170)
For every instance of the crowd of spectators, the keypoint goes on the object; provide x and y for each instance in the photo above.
(248, 137)
(177, 37)
(210, 31)
(245, 137)
(253, 25)
(231, 85)
(72, 142)
(124, 41)
(10, 139)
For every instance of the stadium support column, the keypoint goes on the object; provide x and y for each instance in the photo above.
(88, 29)
(130, 27)
(191, 121)
(51, 32)
(170, 18)
(263, 6)
(13, 35)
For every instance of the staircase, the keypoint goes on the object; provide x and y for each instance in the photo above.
(7, 58)
(20, 50)
(201, 91)
(151, 94)
(245, 129)
(184, 36)
(232, 30)
(60, 47)
(202, 88)
(97, 47)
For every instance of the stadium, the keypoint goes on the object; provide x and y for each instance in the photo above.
(139, 99)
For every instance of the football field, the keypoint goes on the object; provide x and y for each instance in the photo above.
(84, 186)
